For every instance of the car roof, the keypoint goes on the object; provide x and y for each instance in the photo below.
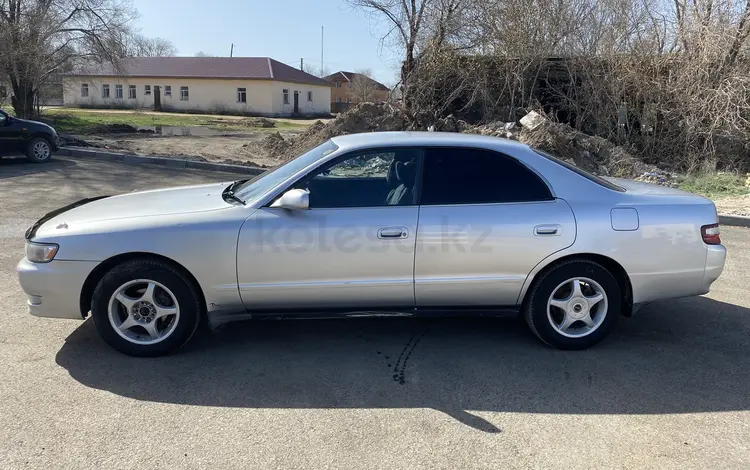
(404, 139)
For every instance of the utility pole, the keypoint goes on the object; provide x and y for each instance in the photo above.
(321, 50)
(231, 51)
(302, 64)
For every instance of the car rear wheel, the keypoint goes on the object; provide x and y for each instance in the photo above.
(39, 150)
(574, 305)
(146, 308)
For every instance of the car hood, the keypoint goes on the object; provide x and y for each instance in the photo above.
(34, 124)
(158, 202)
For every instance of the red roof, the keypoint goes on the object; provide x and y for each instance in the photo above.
(244, 68)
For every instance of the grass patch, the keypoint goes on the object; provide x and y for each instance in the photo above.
(81, 121)
(716, 185)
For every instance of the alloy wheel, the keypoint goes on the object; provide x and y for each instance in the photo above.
(143, 311)
(577, 307)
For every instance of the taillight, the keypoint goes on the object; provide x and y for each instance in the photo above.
(711, 235)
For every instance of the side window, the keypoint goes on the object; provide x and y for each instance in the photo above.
(2, 119)
(475, 176)
(372, 179)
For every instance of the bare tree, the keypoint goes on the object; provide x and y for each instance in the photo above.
(151, 47)
(363, 87)
(316, 71)
(39, 37)
(203, 54)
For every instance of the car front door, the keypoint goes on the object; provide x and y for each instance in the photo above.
(11, 135)
(485, 221)
(352, 248)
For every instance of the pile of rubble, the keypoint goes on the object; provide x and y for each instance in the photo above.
(591, 153)
(365, 117)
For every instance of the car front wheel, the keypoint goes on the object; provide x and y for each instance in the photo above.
(574, 305)
(146, 308)
(38, 150)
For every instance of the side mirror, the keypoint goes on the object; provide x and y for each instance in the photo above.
(294, 199)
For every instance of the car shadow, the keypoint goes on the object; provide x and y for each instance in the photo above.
(12, 166)
(683, 356)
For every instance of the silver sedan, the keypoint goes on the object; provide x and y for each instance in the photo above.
(375, 224)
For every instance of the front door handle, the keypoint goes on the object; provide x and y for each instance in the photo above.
(547, 230)
(393, 232)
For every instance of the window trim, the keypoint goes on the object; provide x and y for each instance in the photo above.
(303, 178)
(168, 90)
(500, 154)
(146, 90)
(244, 93)
(105, 86)
(83, 86)
(284, 96)
(186, 96)
(132, 88)
(118, 88)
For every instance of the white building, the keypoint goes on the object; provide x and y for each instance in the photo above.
(240, 85)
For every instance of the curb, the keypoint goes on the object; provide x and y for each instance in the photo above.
(734, 220)
(169, 162)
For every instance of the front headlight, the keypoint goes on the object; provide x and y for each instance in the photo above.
(41, 252)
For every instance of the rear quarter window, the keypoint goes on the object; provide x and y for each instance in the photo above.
(591, 177)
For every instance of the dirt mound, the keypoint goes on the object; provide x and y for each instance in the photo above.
(591, 153)
(365, 117)
(113, 129)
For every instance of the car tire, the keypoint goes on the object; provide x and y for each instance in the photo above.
(146, 308)
(39, 150)
(568, 317)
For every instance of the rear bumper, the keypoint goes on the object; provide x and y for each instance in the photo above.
(715, 257)
(54, 289)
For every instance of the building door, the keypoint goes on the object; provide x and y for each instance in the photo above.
(157, 98)
(296, 102)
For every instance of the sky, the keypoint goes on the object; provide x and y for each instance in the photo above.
(285, 30)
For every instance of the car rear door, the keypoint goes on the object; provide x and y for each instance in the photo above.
(485, 221)
(353, 248)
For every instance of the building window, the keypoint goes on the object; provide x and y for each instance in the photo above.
(286, 96)
(242, 95)
(338, 84)
(118, 92)
(147, 90)
(131, 92)
(167, 90)
(105, 91)
(84, 90)
(348, 100)
(184, 94)
(338, 100)
(309, 96)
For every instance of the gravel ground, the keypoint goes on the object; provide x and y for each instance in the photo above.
(735, 205)
(669, 389)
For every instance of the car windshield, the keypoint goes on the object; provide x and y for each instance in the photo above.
(254, 188)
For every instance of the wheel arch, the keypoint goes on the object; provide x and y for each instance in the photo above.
(87, 290)
(610, 264)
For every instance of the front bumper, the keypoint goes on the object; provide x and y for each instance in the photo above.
(54, 289)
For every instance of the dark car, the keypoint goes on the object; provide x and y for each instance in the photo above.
(34, 139)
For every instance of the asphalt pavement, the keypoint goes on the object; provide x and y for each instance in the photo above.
(669, 389)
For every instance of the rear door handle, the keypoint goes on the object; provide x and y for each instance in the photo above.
(393, 232)
(547, 230)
